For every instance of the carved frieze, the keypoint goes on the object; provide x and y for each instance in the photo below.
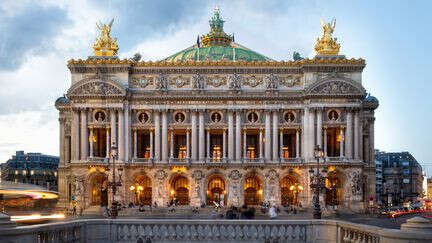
(235, 175)
(142, 82)
(272, 82)
(179, 81)
(335, 87)
(216, 81)
(253, 81)
(235, 81)
(96, 87)
(161, 82)
(198, 81)
(289, 80)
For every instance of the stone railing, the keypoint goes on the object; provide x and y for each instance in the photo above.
(180, 230)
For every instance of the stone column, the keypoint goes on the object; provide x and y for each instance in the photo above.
(113, 127)
(151, 145)
(171, 143)
(62, 140)
(127, 132)
(67, 143)
(356, 135)
(230, 135)
(275, 135)
(261, 144)
(84, 135)
(75, 135)
(361, 139)
(224, 143)
(325, 141)
(281, 143)
(311, 132)
(348, 140)
(91, 142)
(107, 143)
(208, 144)
(238, 151)
(319, 128)
(135, 153)
(341, 143)
(305, 134)
(194, 136)
(157, 144)
(244, 144)
(297, 143)
(121, 135)
(187, 143)
(164, 156)
(201, 140)
(267, 134)
(371, 147)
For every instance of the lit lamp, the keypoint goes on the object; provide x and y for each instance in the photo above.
(114, 184)
(296, 189)
(317, 181)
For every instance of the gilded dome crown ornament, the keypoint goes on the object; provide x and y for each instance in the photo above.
(105, 45)
(327, 45)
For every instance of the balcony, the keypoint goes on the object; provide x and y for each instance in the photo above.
(179, 161)
(291, 160)
(98, 159)
(142, 160)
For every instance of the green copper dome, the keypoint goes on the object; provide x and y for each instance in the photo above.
(216, 46)
(233, 52)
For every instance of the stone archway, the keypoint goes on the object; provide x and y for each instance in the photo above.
(98, 190)
(334, 188)
(142, 190)
(252, 190)
(290, 188)
(180, 190)
(216, 190)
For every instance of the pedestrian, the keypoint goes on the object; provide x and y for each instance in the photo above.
(272, 212)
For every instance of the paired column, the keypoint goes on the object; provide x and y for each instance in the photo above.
(348, 140)
(84, 135)
(297, 143)
(201, 136)
(372, 140)
(311, 132)
(281, 143)
(62, 140)
(238, 136)
(267, 136)
(341, 143)
(275, 135)
(171, 143)
(121, 135)
(187, 143)
(113, 121)
(107, 143)
(127, 132)
(151, 145)
(305, 134)
(356, 135)
(319, 127)
(91, 142)
(325, 141)
(157, 142)
(208, 144)
(224, 143)
(194, 136)
(164, 156)
(261, 144)
(244, 144)
(230, 135)
(135, 153)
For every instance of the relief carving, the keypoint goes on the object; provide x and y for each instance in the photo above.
(162, 83)
(198, 82)
(253, 81)
(141, 82)
(272, 82)
(96, 88)
(216, 81)
(179, 81)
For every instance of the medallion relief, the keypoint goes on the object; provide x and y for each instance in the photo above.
(179, 81)
(216, 81)
(141, 82)
(253, 81)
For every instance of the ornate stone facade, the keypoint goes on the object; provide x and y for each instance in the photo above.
(205, 132)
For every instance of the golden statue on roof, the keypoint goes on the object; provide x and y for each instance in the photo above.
(327, 45)
(105, 45)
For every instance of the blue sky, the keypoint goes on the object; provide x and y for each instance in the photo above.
(38, 37)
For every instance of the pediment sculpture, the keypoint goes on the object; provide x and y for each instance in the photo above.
(97, 88)
(336, 86)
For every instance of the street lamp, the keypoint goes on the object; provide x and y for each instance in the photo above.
(114, 184)
(317, 182)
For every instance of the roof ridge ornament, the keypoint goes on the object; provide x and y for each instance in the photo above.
(216, 36)
(105, 45)
(327, 45)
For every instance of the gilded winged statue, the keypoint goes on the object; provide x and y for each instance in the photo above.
(105, 45)
(328, 28)
(327, 45)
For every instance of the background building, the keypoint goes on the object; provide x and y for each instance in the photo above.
(379, 180)
(217, 122)
(33, 168)
(402, 177)
(429, 188)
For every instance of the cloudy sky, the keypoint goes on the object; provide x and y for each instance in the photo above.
(38, 37)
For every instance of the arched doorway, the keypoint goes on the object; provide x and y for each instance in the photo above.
(180, 190)
(252, 190)
(333, 192)
(216, 190)
(142, 189)
(99, 190)
(290, 188)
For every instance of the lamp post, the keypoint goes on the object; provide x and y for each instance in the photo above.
(318, 182)
(114, 184)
